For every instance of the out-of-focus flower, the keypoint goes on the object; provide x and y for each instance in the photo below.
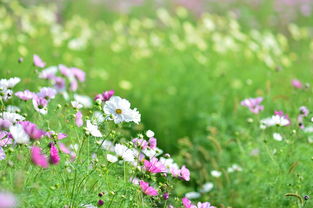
(79, 119)
(32, 130)
(182, 173)
(277, 137)
(9, 83)
(148, 190)
(234, 168)
(206, 187)
(25, 95)
(296, 83)
(18, 134)
(279, 119)
(112, 158)
(216, 173)
(126, 153)
(186, 203)
(38, 158)
(54, 154)
(119, 110)
(38, 62)
(47, 93)
(152, 143)
(7, 200)
(143, 144)
(154, 166)
(193, 195)
(149, 133)
(253, 104)
(84, 100)
(2, 155)
(93, 129)
(76, 105)
(166, 196)
(12, 117)
(13, 109)
(105, 96)
(40, 104)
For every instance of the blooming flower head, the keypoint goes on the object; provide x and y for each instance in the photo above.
(93, 129)
(9, 83)
(152, 143)
(25, 95)
(19, 135)
(304, 111)
(2, 154)
(253, 104)
(112, 158)
(7, 200)
(78, 74)
(146, 189)
(143, 144)
(5, 138)
(185, 174)
(187, 203)
(47, 93)
(32, 130)
(119, 110)
(49, 73)
(54, 154)
(105, 96)
(154, 166)
(79, 119)
(40, 104)
(125, 153)
(278, 119)
(38, 62)
(11, 117)
(38, 158)
(84, 100)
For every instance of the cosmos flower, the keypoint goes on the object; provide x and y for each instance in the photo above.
(79, 119)
(18, 134)
(78, 74)
(7, 200)
(9, 83)
(54, 154)
(32, 130)
(25, 95)
(182, 173)
(84, 100)
(112, 158)
(76, 104)
(154, 166)
(152, 143)
(38, 158)
(5, 138)
(119, 110)
(143, 144)
(146, 189)
(149, 133)
(253, 104)
(93, 129)
(38, 62)
(296, 83)
(125, 153)
(11, 117)
(48, 73)
(278, 119)
(40, 104)
(47, 93)
(2, 154)
(193, 195)
(105, 96)
(216, 173)
(206, 187)
(277, 137)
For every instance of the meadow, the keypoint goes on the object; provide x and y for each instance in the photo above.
(156, 104)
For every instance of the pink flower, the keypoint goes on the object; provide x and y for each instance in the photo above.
(154, 166)
(58, 135)
(152, 143)
(184, 173)
(296, 83)
(105, 96)
(59, 83)
(187, 203)
(2, 154)
(7, 200)
(79, 74)
(4, 124)
(54, 154)
(146, 189)
(25, 95)
(47, 93)
(74, 85)
(79, 119)
(38, 62)
(5, 138)
(253, 104)
(38, 158)
(143, 144)
(204, 205)
(66, 150)
(32, 130)
(40, 104)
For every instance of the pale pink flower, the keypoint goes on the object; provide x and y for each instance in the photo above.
(5, 138)
(38, 62)
(32, 130)
(184, 173)
(54, 154)
(154, 166)
(79, 74)
(146, 189)
(38, 158)
(79, 119)
(7, 200)
(25, 95)
(40, 104)
(47, 93)
(253, 104)
(152, 143)
(5, 124)
(143, 144)
(2, 154)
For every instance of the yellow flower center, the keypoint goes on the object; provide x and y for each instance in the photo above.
(118, 111)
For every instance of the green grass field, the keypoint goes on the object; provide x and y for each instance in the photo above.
(187, 75)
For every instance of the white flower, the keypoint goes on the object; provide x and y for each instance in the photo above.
(13, 109)
(127, 154)
(9, 83)
(277, 137)
(120, 111)
(98, 117)
(84, 100)
(193, 195)
(234, 168)
(49, 72)
(93, 129)
(107, 145)
(12, 117)
(19, 135)
(88, 206)
(2, 154)
(169, 163)
(216, 173)
(150, 133)
(206, 187)
(152, 152)
(274, 120)
(6, 94)
(112, 158)
(76, 104)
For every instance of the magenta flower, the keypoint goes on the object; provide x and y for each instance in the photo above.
(105, 96)
(166, 196)
(296, 83)
(7, 200)
(54, 154)
(25, 95)
(79, 119)
(5, 138)
(152, 143)
(146, 189)
(38, 62)
(143, 144)
(32, 130)
(154, 166)
(59, 83)
(253, 104)
(79, 74)
(184, 173)
(304, 111)
(38, 158)
(47, 93)
(187, 203)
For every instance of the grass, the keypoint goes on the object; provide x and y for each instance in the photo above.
(187, 78)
